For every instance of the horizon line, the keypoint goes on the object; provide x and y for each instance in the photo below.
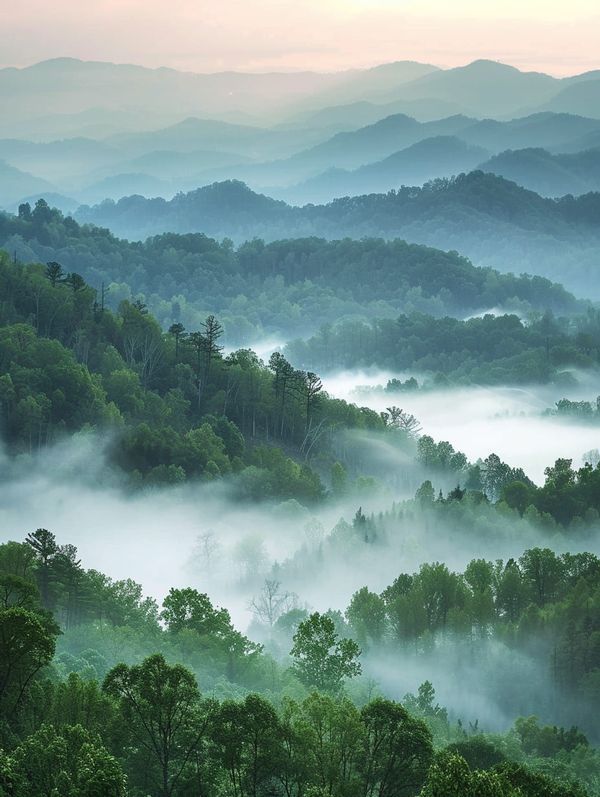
(292, 71)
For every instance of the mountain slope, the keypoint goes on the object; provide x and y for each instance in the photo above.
(581, 97)
(14, 184)
(492, 220)
(547, 174)
(440, 156)
(484, 88)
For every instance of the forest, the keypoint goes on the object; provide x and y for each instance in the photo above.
(488, 218)
(283, 288)
(97, 677)
(299, 399)
(486, 350)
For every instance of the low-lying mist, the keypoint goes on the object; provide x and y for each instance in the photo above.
(202, 535)
(508, 421)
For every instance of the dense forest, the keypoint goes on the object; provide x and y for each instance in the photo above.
(487, 350)
(285, 287)
(299, 403)
(493, 221)
(176, 405)
(100, 695)
(103, 691)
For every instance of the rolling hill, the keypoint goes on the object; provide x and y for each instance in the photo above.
(491, 220)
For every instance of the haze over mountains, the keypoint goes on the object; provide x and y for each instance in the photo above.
(299, 404)
(87, 131)
(180, 152)
(491, 220)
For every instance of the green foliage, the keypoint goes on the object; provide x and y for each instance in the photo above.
(176, 407)
(321, 659)
(498, 350)
(70, 762)
(27, 644)
(161, 707)
(288, 286)
(491, 219)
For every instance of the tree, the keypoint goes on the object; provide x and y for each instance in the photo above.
(517, 495)
(192, 610)
(162, 708)
(282, 384)
(398, 750)
(27, 644)
(212, 332)
(24, 211)
(44, 544)
(450, 776)
(177, 330)
(536, 784)
(312, 386)
(437, 587)
(543, 571)
(248, 742)
(76, 282)
(495, 474)
(55, 273)
(478, 752)
(271, 603)
(339, 479)
(425, 495)
(69, 761)
(397, 418)
(42, 213)
(321, 659)
(330, 733)
(511, 591)
(367, 616)
(19, 592)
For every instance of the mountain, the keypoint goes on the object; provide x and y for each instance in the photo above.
(440, 156)
(483, 88)
(352, 149)
(547, 174)
(491, 220)
(556, 132)
(346, 118)
(66, 97)
(120, 184)
(65, 204)
(71, 86)
(580, 97)
(58, 160)
(15, 184)
(194, 134)
(290, 286)
(367, 84)
(169, 165)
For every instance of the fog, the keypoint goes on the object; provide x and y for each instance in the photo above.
(203, 535)
(508, 421)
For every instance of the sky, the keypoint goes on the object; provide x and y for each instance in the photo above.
(553, 36)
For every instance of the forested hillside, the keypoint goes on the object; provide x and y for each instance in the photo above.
(489, 219)
(285, 288)
(299, 399)
(177, 407)
(487, 350)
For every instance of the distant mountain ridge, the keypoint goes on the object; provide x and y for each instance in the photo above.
(67, 86)
(548, 174)
(439, 156)
(491, 220)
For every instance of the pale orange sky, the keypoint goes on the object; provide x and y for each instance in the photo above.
(211, 35)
